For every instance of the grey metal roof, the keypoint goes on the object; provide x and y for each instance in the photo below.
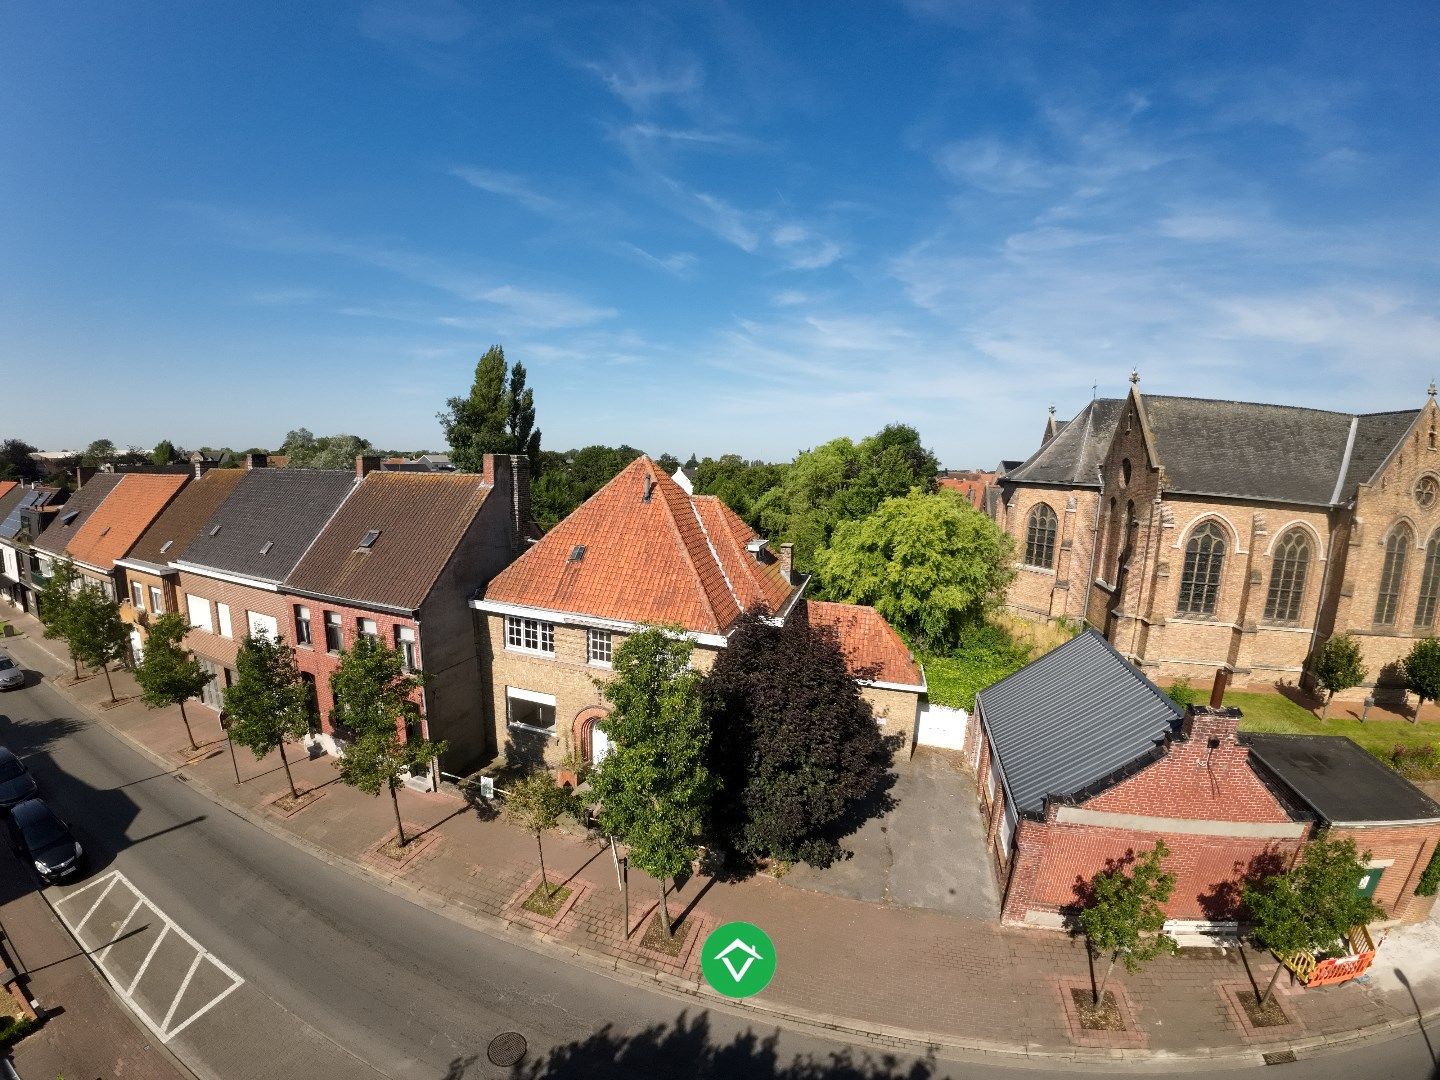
(82, 504)
(1341, 782)
(285, 508)
(1075, 452)
(1072, 718)
(1239, 449)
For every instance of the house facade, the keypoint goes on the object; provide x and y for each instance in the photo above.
(26, 513)
(1196, 534)
(643, 551)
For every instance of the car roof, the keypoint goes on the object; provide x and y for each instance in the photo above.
(31, 811)
(7, 755)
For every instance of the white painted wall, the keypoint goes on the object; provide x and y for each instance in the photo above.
(942, 726)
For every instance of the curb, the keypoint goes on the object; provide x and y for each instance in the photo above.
(918, 1042)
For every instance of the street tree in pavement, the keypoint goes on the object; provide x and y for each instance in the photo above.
(374, 699)
(653, 787)
(168, 673)
(267, 703)
(95, 632)
(536, 803)
(1124, 913)
(54, 603)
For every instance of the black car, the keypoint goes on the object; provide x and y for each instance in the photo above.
(16, 783)
(38, 834)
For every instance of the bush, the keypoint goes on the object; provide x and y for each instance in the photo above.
(1416, 762)
(986, 654)
(13, 1029)
(1430, 879)
(1182, 693)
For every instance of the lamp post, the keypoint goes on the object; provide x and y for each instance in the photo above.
(225, 726)
(1365, 713)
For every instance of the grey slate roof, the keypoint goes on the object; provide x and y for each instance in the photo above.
(82, 504)
(1338, 780)
(285, 508)
(1240, 449)
(1072, 718)
(1073, 455)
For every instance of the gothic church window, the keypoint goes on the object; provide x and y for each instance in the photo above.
(1392, 575)
(1040, 537)
(1289, 565)
(1204, 563)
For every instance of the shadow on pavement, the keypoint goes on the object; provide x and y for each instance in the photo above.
(685, 1049)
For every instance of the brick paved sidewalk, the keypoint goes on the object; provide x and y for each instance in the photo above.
(857, 965)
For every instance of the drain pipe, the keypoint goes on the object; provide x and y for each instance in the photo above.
(1094, 543)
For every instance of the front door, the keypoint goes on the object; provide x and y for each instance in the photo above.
(1371, 881)
(599, 745)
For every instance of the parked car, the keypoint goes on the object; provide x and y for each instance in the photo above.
(37, 833)
(16, 783)
(12, 675)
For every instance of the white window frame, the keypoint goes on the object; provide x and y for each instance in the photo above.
(308, 641)
(333, 621)
(521, 630)
(604, 656)
(408, 647)
(157, 601)
(515, 693)
(367, 628)
(222, 613)
(256, 621)
(207, 622)
(137, 595)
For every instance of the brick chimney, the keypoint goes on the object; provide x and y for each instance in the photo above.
(487, 469)
(83, 473)
(257, 461)
(787, 563)
(365, 464)
(1214, 726)
(200, 464)
(520, 511)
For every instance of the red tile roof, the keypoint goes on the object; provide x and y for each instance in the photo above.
(6, 486)
(125, 514)
(873, 651)
(671, 559)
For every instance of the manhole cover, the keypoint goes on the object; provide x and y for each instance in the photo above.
(506, 1049)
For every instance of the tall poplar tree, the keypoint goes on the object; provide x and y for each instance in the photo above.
(497, 416)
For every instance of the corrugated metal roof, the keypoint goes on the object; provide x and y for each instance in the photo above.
(1068, 720)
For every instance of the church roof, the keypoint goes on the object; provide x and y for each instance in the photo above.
(1240, 449)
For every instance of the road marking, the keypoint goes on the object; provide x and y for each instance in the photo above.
(167, 1028)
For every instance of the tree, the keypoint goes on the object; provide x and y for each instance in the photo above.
(1337, 666)
(1421, 669)
(930, 564)
(53, 603)
(298, 439)
(566, 480)
(496, 417)
(1313, 906)
(653, 787)
(795, 748)
(267, 703)
(168, 673)
(1124, 913)
(535, 803)
(164, 453)
(98, 452)
(669, 462)
(374, 698)
(739, 484)
(16, 462)
(329, 452)
(95, 632)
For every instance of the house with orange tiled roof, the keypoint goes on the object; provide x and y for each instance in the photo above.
(642, 551)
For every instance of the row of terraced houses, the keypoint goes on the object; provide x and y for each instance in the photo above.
(512, 629)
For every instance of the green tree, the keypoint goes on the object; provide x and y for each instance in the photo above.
(653, 787)
(669, 462)
(300, 440)
(53, 603)
(95, 632)
(1421, 670)
(1124, 913)
(536, 803)
(795, 747)
(1337, 666)
(741, 485)
(329, 452)
(930, 564)
(374, 698)
(1312, 906)
(164, 453)
(567, 480)
(168, 673)
(497, 416)
(16, 462)
(98, 452)
(268, 703)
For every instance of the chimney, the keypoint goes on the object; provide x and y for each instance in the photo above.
(256, 461)
(83, 473)
(787, 563)
(520, 510)
(1216, 726)
(1217, 691)
(365, 464)
(649, 488)
(487, 469)
(200, 464)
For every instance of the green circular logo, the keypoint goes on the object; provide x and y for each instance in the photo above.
(738, 959)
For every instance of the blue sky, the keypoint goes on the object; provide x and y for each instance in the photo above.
(709, 226)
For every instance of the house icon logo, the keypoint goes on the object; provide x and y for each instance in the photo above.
(738, 960)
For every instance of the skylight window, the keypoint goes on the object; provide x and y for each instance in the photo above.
(69, 517)
(105, 530)
(577, 553)
(215, 531)
(368, 540)
(265, 547)
(166, 546)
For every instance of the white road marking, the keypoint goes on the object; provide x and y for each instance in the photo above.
(167, 1028)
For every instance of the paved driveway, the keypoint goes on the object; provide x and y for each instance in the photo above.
(927, 852)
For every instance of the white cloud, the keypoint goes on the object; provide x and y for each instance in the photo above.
(804, 249)
(639, 81)
(509, 186)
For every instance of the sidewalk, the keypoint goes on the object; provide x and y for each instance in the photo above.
(902, 974)
(87, 1032)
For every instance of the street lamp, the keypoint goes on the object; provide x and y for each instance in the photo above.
(1369, 702)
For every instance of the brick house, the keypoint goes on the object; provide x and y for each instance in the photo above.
(229, 575)
(1197, 533)
(150, 585)
(643, 551)
(399, 560)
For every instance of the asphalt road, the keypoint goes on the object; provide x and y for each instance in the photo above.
(338, 977)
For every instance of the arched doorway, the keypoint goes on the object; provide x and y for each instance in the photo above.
(590, 741)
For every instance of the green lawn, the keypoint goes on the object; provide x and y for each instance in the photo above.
(1277, 713)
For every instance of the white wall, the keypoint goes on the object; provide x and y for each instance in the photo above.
(942, 726)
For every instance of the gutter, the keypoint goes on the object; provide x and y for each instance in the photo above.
(390, 609)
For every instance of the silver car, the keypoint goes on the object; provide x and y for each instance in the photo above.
(12, 675)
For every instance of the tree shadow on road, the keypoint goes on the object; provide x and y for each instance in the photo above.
(685, 1049)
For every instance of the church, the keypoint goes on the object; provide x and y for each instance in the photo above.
(1197, 534)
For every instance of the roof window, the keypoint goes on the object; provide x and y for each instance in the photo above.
(215, 531)
(265, 547)
(368, 540)
(68, 518)
(577, 553)
(166, 546)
